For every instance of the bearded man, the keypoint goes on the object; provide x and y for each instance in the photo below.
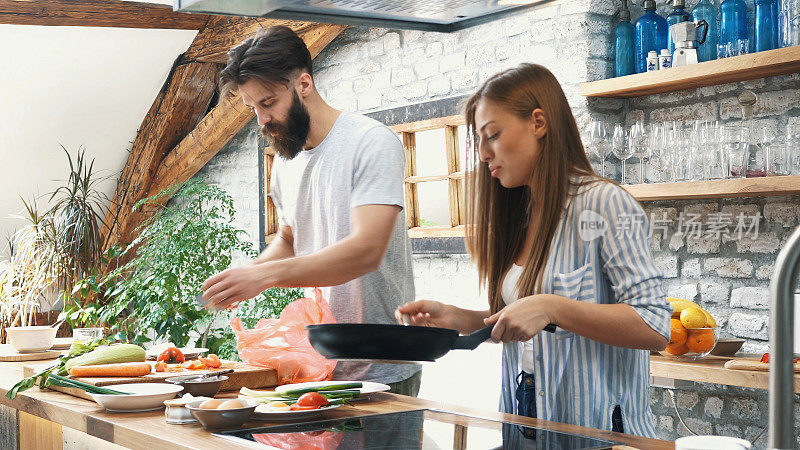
(337, 185)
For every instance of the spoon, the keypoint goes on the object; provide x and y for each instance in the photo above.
(194, 378)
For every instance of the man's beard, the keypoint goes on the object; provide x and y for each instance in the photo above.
(288, 138)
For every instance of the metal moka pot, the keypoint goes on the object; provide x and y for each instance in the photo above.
(686, 37)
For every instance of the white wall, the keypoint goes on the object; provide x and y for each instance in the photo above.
(74, 86)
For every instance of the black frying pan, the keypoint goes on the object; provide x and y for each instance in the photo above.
(364, 341)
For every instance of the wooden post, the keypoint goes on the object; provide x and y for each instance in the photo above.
(412, 202)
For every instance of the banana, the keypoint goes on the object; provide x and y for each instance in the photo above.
(679, 304)
(710, 322)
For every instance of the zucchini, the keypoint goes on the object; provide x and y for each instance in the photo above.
(119, 353)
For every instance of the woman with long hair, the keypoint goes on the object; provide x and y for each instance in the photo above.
(555, 244)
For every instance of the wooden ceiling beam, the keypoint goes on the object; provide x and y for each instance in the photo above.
(179, 106)
(224, 32)
(98, 13)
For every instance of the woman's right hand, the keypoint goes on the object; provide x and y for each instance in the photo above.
(426, 313)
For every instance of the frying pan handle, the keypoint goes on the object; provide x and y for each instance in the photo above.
(472, 341)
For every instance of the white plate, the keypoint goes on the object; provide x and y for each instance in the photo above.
(142, 396)
(188, 352)
(368, 387)
(264, 413)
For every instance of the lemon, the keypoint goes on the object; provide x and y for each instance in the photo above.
(693, 318)
(710, 322)
(679, 305)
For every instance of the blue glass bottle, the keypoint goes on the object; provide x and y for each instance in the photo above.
(766, 35)
(624, 62)
(650, 33)
(705, 10)
(733, 21)
(678, 15)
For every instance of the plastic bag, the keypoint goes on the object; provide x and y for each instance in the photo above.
(282, 344)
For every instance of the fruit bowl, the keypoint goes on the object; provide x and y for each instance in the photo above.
(698, 344)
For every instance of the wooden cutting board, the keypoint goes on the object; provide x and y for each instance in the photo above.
(7, 353)
(752, 364)
(243, 375)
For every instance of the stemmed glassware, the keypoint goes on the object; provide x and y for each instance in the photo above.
(599, 142)
(637, 140)
(621, 147)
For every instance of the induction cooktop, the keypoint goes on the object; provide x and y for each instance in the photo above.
(419, 429)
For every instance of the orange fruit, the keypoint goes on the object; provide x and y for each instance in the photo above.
(700, 341)
(677, 349)
(678, 333)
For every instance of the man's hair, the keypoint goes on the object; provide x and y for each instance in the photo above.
(272, 56)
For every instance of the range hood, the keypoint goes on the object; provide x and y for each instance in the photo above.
(427, 15)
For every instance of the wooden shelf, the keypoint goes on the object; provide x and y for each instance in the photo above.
(711, 370)
(738, 187)
(727, 70)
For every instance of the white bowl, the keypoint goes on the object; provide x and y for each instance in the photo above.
(711, 443)
(31, 339)
(141, 397)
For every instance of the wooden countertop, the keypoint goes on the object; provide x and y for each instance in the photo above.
(150, 430)
(711, 370)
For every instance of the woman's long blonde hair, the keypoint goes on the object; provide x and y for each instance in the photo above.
(498, 217)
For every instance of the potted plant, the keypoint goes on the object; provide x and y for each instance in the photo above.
(153, 296)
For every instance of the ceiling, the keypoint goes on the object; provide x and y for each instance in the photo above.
(74, 86)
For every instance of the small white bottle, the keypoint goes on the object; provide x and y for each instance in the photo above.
(652, 61)
(664, 59)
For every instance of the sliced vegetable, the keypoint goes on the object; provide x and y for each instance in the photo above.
(211, 361)
(161, 366)
(171, 355)
(311, 399)
(120, 353)
(132, 369)
(765, 358)
(194, 365)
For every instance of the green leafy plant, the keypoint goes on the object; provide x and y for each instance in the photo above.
(78, 215)
(28, 279)
(184, 243)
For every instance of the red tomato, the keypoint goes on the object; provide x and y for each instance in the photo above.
(161, 366)
(765, 358)
(311, 400)
(171, 355)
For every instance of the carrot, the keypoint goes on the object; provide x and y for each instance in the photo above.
(131, 369)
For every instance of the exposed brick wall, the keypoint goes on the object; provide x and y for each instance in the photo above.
(368, 70)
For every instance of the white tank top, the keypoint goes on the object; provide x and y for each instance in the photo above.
(510, 295)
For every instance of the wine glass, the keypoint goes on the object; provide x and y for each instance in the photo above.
(637, 140)
(620, 146)
(598, 135)
(656, 146)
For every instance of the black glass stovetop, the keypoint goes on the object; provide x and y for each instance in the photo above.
(420, 429)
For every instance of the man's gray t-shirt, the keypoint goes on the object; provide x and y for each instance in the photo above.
(360, 162)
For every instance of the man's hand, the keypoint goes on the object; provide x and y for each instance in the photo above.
(226, 289)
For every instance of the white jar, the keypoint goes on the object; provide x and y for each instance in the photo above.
(177, 413)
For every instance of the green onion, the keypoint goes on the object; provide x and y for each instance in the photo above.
(322, 389)
(67, 382)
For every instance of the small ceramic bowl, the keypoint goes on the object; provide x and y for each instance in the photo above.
(31, 339)
(219, 419)
(177, 413)
(206, 387)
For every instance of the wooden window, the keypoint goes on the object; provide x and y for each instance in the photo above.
(271, 219)
(434, 176)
